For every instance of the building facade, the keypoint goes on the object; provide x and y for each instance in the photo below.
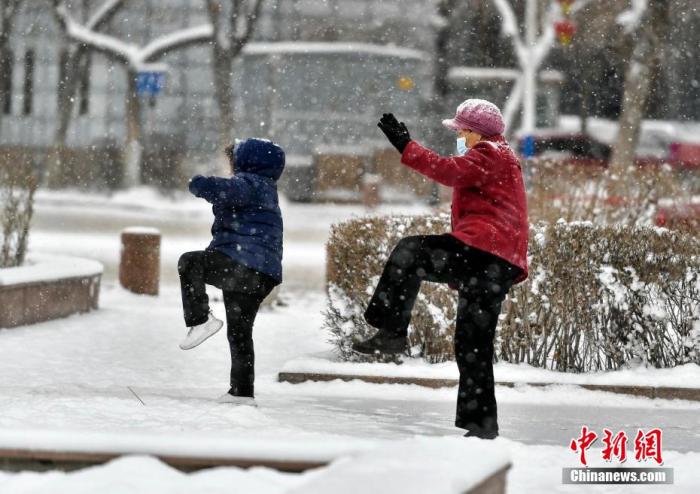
(300, 93)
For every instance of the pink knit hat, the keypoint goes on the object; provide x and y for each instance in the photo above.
(478, 115)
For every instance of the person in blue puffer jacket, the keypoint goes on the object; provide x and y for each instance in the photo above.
(244, 258)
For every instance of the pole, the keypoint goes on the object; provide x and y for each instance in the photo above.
(529, 70)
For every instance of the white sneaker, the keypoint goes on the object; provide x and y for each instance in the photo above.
(237, 400)
(197, 334)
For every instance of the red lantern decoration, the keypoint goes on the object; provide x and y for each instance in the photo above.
(566, 5)
(565, 31)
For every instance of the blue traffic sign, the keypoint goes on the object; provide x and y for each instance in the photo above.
(529, 146)
(149, 83)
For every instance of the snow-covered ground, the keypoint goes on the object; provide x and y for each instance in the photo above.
(89, 225)
(119, 371)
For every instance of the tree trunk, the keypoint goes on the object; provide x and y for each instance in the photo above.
(637, 85)
(437, 137)
(132, 149)
(223, 87)
(67, 89)
(4, 61)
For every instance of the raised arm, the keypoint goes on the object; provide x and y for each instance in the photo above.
(233, 191)
(476, 168)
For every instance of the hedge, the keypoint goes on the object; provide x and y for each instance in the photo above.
(598, 297)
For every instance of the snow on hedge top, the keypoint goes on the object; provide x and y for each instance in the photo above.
(42, 267)
(413, 466)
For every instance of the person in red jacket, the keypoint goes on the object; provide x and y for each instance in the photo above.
(482, 258)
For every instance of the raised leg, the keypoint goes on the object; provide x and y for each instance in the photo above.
(414, 259)
(195, 303)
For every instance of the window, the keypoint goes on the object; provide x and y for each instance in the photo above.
(28, 82)
(84, 86)
(6, 64)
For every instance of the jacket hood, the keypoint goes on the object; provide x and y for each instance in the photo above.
(259, 156)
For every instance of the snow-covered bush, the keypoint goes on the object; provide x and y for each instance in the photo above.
(590, 193)
(98, 167)
(600, 297)
(17, 187)
(357, 251)
(597, 297)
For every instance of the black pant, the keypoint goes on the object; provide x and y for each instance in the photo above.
(244, 290)
(483, 280)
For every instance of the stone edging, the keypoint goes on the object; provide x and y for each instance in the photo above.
(51, 288)
(38, 460)
(663, 392)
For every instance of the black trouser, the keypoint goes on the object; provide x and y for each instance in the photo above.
(483, 280)
(244, 290)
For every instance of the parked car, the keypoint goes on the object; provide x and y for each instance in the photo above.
(578, 149)
(584, 150)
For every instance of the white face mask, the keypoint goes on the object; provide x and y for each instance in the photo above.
(462, 147)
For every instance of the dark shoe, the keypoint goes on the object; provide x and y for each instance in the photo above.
(382, 342)
(482, 434)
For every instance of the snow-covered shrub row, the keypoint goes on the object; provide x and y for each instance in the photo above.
(597, 297)
(17, 187)
(101, 166)
(590, 193)
(98, 167)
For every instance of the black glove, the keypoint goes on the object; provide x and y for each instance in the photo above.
(395, 131)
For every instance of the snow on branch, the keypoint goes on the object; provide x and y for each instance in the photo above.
(178, 39)
(546, 39)
(108, 45)
(631, 18)
(104, 12)
(134, 56)
(509, 27)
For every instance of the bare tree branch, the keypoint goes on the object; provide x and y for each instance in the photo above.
(135, 58)
(108, 45)
(179, 39)
(104, 14)
(251, 23)
(509, 28)
(129, 53)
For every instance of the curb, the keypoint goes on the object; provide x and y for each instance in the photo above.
(16, 460)
(660, 392)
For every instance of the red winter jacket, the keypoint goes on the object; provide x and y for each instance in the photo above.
(489, 207)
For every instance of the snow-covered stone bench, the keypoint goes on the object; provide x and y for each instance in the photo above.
(445, 465)
(48, 287)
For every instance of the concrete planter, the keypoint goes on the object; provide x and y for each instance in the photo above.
(48, 287)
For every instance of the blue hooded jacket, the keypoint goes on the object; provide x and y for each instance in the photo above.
(247, 218)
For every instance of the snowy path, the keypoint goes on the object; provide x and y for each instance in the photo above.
(75, 374)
